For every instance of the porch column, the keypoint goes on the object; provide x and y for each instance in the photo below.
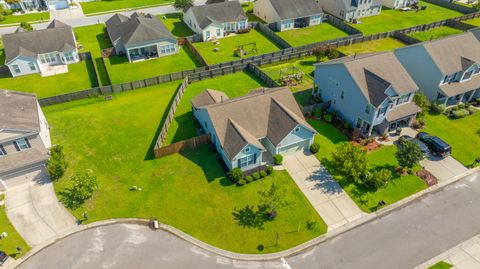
(128, 55)
(446, 100)
(461, 97)
(370, 130)
(471, 95)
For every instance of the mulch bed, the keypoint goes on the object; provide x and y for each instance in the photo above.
(427, 177)
(369, 147)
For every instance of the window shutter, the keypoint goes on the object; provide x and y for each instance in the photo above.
(28, 142)
(238, 165)
(16, 146)
(2, 150)
(255, 158)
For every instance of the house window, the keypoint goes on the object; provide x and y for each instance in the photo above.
(241, 25)
(297, 130)
(342, 95)
(167, 49)
(359, 123)
(367, 109)
(403, 99)
(22, 144)
(467, 75)
(69, 56)
(2, 151)
(247, 149)
(247, 160)
(219, 32)
(32, 66)
(16, 69)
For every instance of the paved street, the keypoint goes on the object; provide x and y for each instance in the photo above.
(403, 239)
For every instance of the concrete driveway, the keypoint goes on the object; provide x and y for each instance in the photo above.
(33, 208)
(334, 206)
(443, 169)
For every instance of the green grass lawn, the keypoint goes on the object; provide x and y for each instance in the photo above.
(183, 126)
(121, 70)
(371, 46)
(13, 239)
(2, 53)
(475, 21)
(391, 19)
(328, 137)
(462, 134)
(248, 9)
(228, 45)
(188, 191)
(441, 265)
(435, 33)
(110, 5)
(312, 34)
(80, 76)
(175, 24)
(30, 17)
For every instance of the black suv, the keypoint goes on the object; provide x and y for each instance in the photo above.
(3, 257)
(436, 145)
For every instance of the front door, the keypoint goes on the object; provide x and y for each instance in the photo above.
(207, 35)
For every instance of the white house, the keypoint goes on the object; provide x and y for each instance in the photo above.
(288, 14)
(48, 51)
(31, 5)
(349, 10)
(396, 4)
(216, 20)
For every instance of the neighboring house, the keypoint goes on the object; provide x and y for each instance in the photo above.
(46, 51)
(29, 5)
(396, 4)
(140, 37)
(349, 10)
(24, 134)
(247, 129)
(371, 91)
(216, 20)
(446, 70)
(288, 14)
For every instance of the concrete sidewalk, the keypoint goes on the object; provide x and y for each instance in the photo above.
(334, 206)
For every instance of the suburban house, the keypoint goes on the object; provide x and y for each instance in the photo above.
(370, 91)
(396, 4)
(350, 10)
(140, 37)
(48, 51)
(24, 135)
(247, 130)
(216, 20)
(446, 70)
(287, 14)
(29, 5)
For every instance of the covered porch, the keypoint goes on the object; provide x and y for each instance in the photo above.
(459, 98)
(400, 116)
(142, 53)
(459, 92)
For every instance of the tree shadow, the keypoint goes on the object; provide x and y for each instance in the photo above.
(250, 217)
(69, 199)
(208, 160)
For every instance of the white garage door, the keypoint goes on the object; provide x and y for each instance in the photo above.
(60, 4)
(37, 173)
(299, 146)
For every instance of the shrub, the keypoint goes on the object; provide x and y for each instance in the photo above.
(27, 26)
(277, 159)
(56, 165)
(328, 117)
(269, 170)
(314, 147)
(378, 179)
(236, 174)
(318, 113)
(458, 114)
(408, 154)
(311, 225)
(471, 110)
(263, 174)
(477, 100)
(241, 182)
(248, 179)
(256, 176)
(422, 101)
(2, 18)
(8, 12)
(438, 108)
(461, 106)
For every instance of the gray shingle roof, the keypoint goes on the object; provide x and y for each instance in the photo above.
(137, 29)
(290, 9)
(229, 11)
(271, 113)
(24, 158)
(402, 111)
(57, 37)
(18, 110)
(208, 97)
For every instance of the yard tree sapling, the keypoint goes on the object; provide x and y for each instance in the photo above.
(408, 154)
(83, 186)
(272, 199)
(181, 4)
(422, 101)
(351, 162)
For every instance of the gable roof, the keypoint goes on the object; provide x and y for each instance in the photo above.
(228, 11)
(208, 97)
(374, 73)
(454, 53)
(18, 110)
(136, 29)
(291, 9)
(56, 37)
(271, 113)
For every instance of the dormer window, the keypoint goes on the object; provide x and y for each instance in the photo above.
(296, 130)
(22, 144)
(2, 151)
(467, 75)
(247, 149)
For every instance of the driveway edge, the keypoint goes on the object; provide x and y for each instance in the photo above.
(250, 257)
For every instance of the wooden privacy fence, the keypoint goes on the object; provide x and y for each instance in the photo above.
(188, 144)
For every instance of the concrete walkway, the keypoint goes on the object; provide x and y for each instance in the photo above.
(464, 256)
(327, 197)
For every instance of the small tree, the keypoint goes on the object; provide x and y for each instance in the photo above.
(277, 159)
(57, 164)
(236, 174)
(408, 154)
(350, 161)
(272, 199)
(83, 186)
(314, 147)
(181, 4)
(27, 26)
(324, 53)
(378, 179)
(422, 101)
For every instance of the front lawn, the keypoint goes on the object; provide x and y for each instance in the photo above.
(175, 24)
(435, 33)
(30, 17)
(371, 46)
(80, 76)
(229, 44)
(391, 19)
(328, 137)
(2, 53)
(188, 191)
(121, 70)
(317, 33)
(13, 239)
(111, 5)
(183, 126)
(475, 21)
(441, 265)
(462, 134)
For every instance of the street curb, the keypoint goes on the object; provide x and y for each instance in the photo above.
(127, 9)
(252, 257)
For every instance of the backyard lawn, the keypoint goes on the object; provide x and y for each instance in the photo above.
(181, 190)
(475, 21)
(13, 239)
(111, 5)
(462, 134)
(435, 33)
(248, 9)
(175, 24)
(80, 76)
(228, 45)
(2, 53)
(30, 17)
(391, 19)
(120, 70)
(312, 34)
(183, 126)
(328, 137)
(371, 46)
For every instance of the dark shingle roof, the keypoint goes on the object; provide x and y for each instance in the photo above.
(137, 29)
(290, 9)
(57, 37)
(18, 110)
(228, 11)
(208, 97)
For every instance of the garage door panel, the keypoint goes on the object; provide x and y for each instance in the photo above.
(290, 149)
(34, 174)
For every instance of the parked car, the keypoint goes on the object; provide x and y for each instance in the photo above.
(436, 145)
(422, 145)
(3, 257)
